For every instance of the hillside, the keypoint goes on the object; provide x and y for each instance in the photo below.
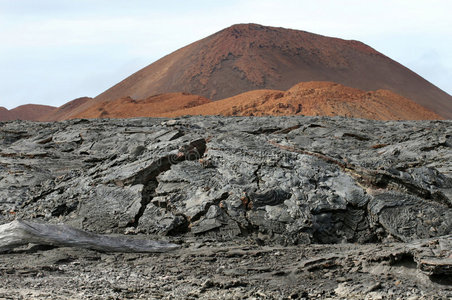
(305, 98)
(314, 99)
(153, 106)
(65, 111)
(247, 57)
(29, 112)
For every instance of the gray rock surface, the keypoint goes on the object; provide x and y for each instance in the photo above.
(273, 181)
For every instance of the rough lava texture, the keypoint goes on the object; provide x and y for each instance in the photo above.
(247, 57)
(263, 207)
(30, 112)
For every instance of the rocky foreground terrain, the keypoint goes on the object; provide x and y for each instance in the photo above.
(262, 208)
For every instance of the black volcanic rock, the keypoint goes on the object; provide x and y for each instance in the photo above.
(248, 176)
(288, 205)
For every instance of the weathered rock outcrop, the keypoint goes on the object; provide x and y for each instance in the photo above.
(377, 195)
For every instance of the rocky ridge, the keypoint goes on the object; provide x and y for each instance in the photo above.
(153, 106)
(30, 112)
(315, 99)
(335, 195)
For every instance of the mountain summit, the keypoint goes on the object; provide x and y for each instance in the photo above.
(246, 57)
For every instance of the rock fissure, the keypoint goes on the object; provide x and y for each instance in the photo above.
(375, 179)
(434, 146)
(245, 229)
(287, 130)
(42, 195)
(321, 156)
(206, 206)
(148, 176)
(264, 131)
(256, 174)
(146, 198)
(383, 180)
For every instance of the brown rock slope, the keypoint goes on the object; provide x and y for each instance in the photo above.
(65, 111)
(315, 98)
(249, 56)
(153, 106)
(3, 113)
(30, 112)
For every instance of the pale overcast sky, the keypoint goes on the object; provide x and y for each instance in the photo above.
(53, 51)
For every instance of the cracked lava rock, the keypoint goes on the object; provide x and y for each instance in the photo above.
(262, 207)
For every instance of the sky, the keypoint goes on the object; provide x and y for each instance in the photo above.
(53, 51)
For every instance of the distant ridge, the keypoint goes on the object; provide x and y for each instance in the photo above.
(30, 112)
(126, 107)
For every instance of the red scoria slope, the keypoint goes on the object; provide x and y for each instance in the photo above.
(153, 106)
(247, 57)
(313, 99)
(65, 111)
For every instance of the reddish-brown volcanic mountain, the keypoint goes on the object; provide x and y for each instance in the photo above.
(154, 106)
(249, 56)
(312, 99)
(31, 112)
